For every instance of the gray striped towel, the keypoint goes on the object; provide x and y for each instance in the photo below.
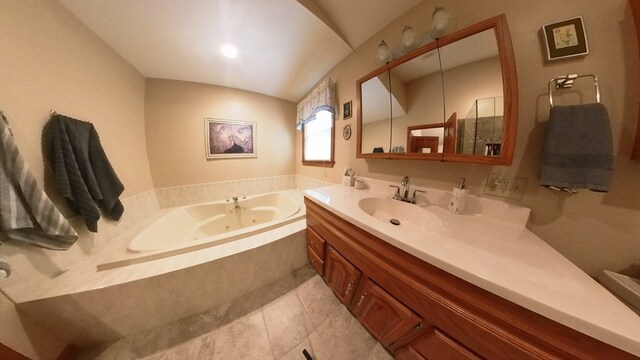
(26, 212)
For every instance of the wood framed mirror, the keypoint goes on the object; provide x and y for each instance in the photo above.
(461, 88)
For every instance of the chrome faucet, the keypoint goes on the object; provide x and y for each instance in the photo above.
(405, 192)
(405, 188)
(236, 205)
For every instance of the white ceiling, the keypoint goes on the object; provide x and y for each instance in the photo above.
(284, 48)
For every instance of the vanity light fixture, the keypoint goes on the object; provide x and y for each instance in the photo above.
(229, 51)
(383, 55)
(442, 23)
(410, 39)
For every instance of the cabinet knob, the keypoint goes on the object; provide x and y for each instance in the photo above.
(348, 288)
(418, 327)
(392, 345)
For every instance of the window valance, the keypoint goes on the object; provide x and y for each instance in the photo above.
(322, 97)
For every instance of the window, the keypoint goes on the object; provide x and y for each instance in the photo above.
(318, 140)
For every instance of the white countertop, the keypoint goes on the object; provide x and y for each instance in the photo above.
(490, 247)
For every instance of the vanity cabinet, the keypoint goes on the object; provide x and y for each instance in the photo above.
(458, 320)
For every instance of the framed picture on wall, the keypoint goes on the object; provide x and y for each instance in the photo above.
(565, 39)
(230, 138)
(346, 110)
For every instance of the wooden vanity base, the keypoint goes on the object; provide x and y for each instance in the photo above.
(418, 311)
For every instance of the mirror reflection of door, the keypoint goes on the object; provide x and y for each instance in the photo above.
(425, 139)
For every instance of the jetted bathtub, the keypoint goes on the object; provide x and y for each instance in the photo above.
(212, 223)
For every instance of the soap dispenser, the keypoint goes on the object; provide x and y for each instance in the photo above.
(458, 198)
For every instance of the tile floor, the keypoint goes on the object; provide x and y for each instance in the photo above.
(276, 322)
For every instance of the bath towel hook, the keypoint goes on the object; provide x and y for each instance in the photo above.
(566, 82)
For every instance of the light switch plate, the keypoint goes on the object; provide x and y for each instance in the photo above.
(505, 186)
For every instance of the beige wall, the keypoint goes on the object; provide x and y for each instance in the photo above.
(175, 113)
(50, 60)
(595, 231)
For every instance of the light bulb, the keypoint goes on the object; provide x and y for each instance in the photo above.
(383, 54)
(409, 37)
(443, 22)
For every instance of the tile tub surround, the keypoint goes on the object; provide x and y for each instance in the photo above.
(200, 193)
(278, 321)
(479, 245)
(34, 268)
(112, 312)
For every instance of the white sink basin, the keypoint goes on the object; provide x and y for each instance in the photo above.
(404, 215)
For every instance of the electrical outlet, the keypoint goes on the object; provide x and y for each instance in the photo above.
(505, 186)
(516, 192)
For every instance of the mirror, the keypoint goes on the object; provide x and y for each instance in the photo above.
(375, 114)
(416, 87)
(454, 99)
(480, 128)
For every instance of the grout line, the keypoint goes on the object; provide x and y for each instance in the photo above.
(266, 330)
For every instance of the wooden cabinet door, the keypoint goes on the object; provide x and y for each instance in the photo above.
(341, 276)
(386, 318)
(436, 345)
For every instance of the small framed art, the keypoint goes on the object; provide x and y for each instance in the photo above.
(346, 110)
(230, 138)
(346, 132)
(565, 39)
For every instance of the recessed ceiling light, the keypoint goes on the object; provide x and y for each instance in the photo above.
(229, 51)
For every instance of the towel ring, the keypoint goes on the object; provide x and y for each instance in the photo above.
(566, 82)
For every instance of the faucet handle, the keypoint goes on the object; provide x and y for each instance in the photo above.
(413, 198)
(397, 194)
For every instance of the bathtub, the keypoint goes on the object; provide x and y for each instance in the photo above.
(214, 223)
(169, 274)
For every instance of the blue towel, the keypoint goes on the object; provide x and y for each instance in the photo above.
(578, 152)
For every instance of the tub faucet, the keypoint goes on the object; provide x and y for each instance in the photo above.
(236, 205)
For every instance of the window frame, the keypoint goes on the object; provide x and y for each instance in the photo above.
(322, 163)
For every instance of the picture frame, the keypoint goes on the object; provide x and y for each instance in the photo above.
(346, 132)
(230, 138)
(346, 110)
(565, 39)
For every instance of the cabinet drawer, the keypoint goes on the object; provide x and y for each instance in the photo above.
(436, 345)
(315, 261)
(315, 242)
